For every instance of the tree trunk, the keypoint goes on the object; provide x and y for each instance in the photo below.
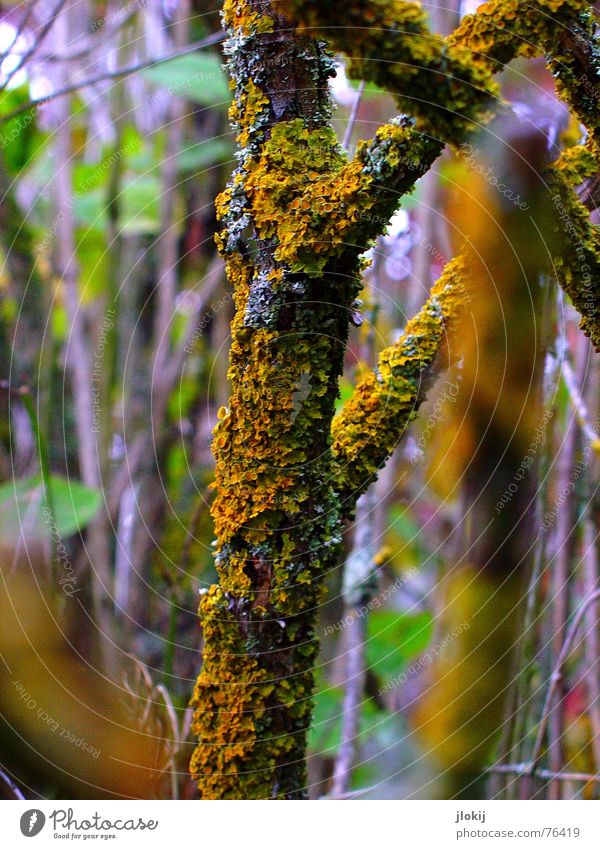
(277, 520)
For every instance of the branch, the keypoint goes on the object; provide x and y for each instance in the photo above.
(388, 43)
(252, 698)
(563, 31)
(579, 406)
(30, 52)
(353, 116)
(19, 30)
(576, 260)
(375, 418)
(544, 774)
(25, 283)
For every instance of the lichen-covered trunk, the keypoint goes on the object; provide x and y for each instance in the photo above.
(297, 215)
(277, 518)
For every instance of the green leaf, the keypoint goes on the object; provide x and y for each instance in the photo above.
(346, 390)
(394, 639)
(88, 176)
(132, 142)
(92, 255)
(60, 322)
(90, 209)
(139, 204)
(24, 508)
(183, 397)
(326, 729)
(197, 76)
(20, 140)
(202, 155)
(403, 523)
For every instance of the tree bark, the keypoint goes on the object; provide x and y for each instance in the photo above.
(277, 520)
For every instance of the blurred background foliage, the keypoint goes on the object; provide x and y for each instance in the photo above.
(114, 320)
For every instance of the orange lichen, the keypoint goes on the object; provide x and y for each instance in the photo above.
(241, 19)
(229, 689)
(500, 30)
(446, 83)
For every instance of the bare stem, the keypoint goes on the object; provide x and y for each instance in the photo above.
(556, 677)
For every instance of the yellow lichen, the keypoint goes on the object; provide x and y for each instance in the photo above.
(576, 257)
(253, 697)
(368, 428)
(242, 19)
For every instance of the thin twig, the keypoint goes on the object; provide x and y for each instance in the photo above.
(559, 602)
(11, 789)
(358, 572)
(209, 41)
(578, 404)
(54, 16)
(168, 243)
(590, 573)
(78, 355)
(354, 673)
(547, 774)
(68, 270)
(592, 644)
(19, 29)
(519, 717)
(354, 794)
(90, 45)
